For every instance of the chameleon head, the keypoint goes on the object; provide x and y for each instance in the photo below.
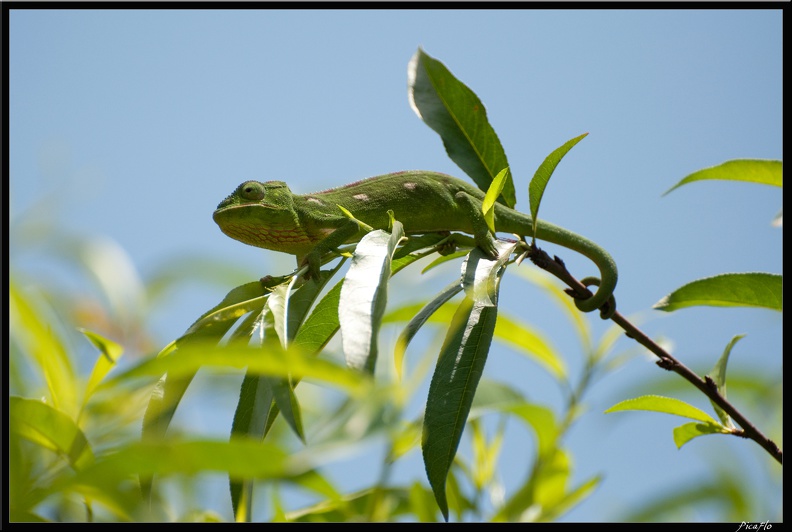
(258, 214)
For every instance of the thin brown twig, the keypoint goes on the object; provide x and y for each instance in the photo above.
(707, 386)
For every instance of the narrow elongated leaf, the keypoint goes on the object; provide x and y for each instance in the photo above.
(110, 352)
(508, 330)
(718, 375)
(50, 428)
(493, 192)
(364, 296)
(278, 363)
(418, 321)
(459, 368)
(754, 289)
(452, 388)
(445, 258)
(250, 420)
(209, 328)
(44, 348)
(668, 405)
(454, 111)
(322, 323)
(542, 176)
(688, 431)
(761, 171)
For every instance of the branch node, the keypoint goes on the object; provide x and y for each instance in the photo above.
(666, 363)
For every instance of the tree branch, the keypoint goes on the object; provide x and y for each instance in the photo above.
(707, 386)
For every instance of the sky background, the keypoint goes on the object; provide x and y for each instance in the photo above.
(134, 125)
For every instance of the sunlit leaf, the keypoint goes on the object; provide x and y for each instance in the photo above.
(542, 176)
(668, 405)
(278, 363)
(454, 111)
(44, 348)
(761, 171)
(493, 192)
(688, 431)
(50, 428)
(110, 353)
(728, 290)
(364, 296)
(459, 368)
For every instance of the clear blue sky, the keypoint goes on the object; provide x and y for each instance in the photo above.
(140, 122)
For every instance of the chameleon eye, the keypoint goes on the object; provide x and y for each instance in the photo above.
(252, 190)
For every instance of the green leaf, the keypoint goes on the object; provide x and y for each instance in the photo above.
(322, 323)
(668, 405)
(481, 276)
(209, 328)
(277, 363)
(761, 171)
(452, 388)
(445, 258)
(37, 338)
(50, 428)
(718, 375)
(454, 111)
(110, 353)
(755, 289)
(250, 420)
(508, 330)
(418, 321)
(688, 431)
(493, 192)
(542, 176)
(459, 368)
(364, 296)
(527, 341)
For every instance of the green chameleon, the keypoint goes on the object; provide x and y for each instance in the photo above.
(268, 215)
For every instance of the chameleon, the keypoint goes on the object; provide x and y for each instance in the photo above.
(268, 215)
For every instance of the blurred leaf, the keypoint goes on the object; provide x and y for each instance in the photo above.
(542, 176)
(530, 342)
(560, 298)
(485, 455)
(44, 348)
(727, 490)
(668, 405)
(493, 192)
(364, 296)
(238, 458)
(764, 172)
(572, 498)
(728, 290)
(454, 111)
(51, 429)
(277, 363)
(110, 353)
